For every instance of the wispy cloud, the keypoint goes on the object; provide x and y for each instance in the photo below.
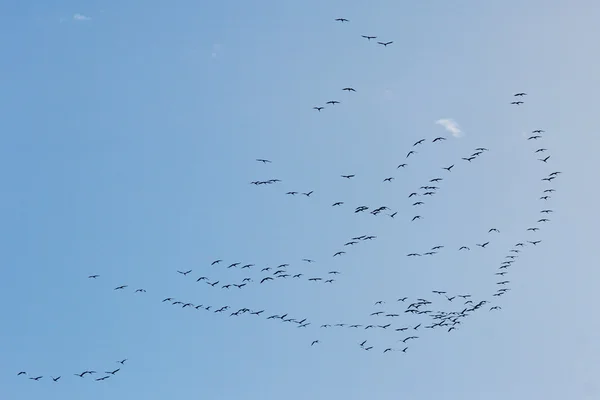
(216, 50)
(451, 126)
(81, 17)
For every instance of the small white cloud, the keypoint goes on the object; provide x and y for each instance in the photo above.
(216, 49)
(451, 126)
(81, 17)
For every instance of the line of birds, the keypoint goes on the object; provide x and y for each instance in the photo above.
(55, 379)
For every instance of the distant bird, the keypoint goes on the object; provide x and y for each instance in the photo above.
(342, 20)
(93, 276)
(369, 37)
(55, 379)
(418, 142)
(517, 103)
(521, 94)
(112, 372)
(401, 166)
(410, 152)
(184, 273)
(37, 378)
(314, 342)
(333, 102)
(140, 291)
(437, 139)
(416, 217)
(464, 248)
(22, 373)
(122, 361)
(388, 179)
(534, 137)
(494, 230)
(483, 245)
(348, 176)
(120, 287)
(339, 203)
(349, 89)
(385, 44)
(544, 159)
(307, 194)
(262, 160)
(318, 108)
(448, 168)
(538, 131)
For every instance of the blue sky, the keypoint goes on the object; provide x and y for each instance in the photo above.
(129, 138)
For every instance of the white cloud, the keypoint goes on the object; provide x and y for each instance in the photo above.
(451, 126)
(81, 17)
(216, 49)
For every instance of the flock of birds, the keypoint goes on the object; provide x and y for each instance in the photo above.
(440, 311)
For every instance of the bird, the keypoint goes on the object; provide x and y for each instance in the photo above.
(544, 159)
(314, 342)
(517, 103)
(348, 176)
(262, 160)
(112, 372)
(369, 37)
(122, 361)
(22, 373)
(483, 245)
(385, 44)
(448, 168)
(37, 378)
(120, 287)
(184, 273)
(333, 102)
(318, 108)
(521, 94)
(93, 276)
(410, 152)
(437, 139)
(342, 20)
(55, 379)
(349, 89)
(418, 142)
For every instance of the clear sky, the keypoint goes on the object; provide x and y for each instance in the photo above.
(129, 136)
